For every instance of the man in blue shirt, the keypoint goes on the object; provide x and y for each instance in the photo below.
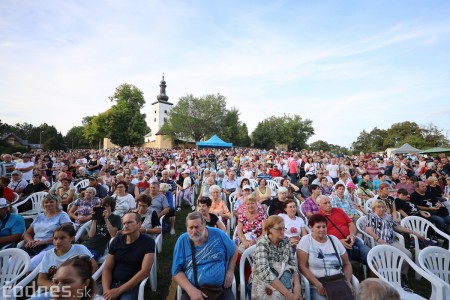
(12, 226)
(215, 259)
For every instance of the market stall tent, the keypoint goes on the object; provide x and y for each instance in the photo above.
(214, 142)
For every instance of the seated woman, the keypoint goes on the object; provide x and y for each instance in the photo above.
(239, 189)
(204, 191)
(295, 226)
(381, 226)
(63, 239)
(75, 275)
(239, 204)
(204, 204)
(218, 206)
(273, 249)
(262, 192)
(124, 201)
(81, 211)
(150, 221)
(325, 188)
(101, 232)
(39, 236)
(277, 205)
(65, 192)
(250, 224)
(292, 188)
(320, 255)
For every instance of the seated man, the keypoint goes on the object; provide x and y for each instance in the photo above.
(17, 184)
(129, 260)
(342, 227)
(35, 185)
(12, 226)
(214, 259)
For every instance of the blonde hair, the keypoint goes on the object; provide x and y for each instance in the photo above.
(377, 202)
(250, 198)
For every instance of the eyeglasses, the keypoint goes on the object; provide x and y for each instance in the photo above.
(280, 229)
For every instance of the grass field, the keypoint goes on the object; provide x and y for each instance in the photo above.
(167, 290)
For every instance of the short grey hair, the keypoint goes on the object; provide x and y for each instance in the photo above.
(52, 197)
(214, 187)
(195, 216)
(318, 199)
(377, 289)
(282, 190)
(92, 189)
(165, 172)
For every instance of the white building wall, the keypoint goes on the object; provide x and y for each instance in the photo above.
(159, 111)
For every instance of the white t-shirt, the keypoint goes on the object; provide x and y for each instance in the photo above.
(294, 227)
(333, 170)
(247, 174)
(124, 204)
(26, 175)
(52, 260)
(322, 260)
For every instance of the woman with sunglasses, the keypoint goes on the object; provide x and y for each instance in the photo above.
(63, 239)
(73, 280)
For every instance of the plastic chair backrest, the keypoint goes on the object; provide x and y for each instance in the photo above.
(247, 256)
(82, 184)
(36, 199)
(14, 264)
(436, 261)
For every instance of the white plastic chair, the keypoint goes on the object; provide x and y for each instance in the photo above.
(307, 287)
(300, 209)
(231, 201)
(81, 185)
(83, 230)
(160, 236)
(421, 226)
(247, 256)
(278, 180)
(14, 264)
(273, 187)
(368, 204)
(253, 183)
(153, 276)
(386, 262)
(25, 281)
(361, 226)
(436, 262)
(36, 199)
(16, 198)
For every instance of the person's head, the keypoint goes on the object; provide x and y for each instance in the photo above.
(204, 203)
(164, 187)
(315, 190)
(365, 177)
(384, 190)
(51, 204)
(89, 193)
(154, 188)
(274, 227)
(432, 181)
(131, 223)
(16, 175)
(402, 194)
(245, 181)
(196, 226)
(377, 289)
(351, 187)
(282, 193)
(262, 182)
(4, 181)
(63, 237)
(4, 207)
(340, 189)
(214, 191)
(284, 182)
(250, 202)
(122, 187)
(379, 207)
(140, 174)
(109, 203)
(318, 225)
(324, 181)
(305, 181)
(324, 203)
(36, 178)
(165, 175)
(7, 158)
(290, 207)
(92, 180)
(420, 187)
(143, 201)
(65, 182)
(74, 279)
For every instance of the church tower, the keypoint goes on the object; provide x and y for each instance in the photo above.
(159, 111)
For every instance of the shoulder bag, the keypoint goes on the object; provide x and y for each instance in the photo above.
(262, 290)
(336, 286)
(212, 291)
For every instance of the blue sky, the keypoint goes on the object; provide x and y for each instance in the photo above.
(346, 65)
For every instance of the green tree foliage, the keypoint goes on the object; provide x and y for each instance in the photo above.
(370, 141)
(197, 117)
(322, 145)
(75, 138)
(233, 130)
(123, 123)
(288, 130)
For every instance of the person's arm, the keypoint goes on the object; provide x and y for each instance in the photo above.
(230, 269)
(28, 237)
(221, 226)
(188, 287)
(373, 234)
(347, 268)
(13, 238)
(144, 272)
(71, 212)
(164, 212)
(403, 229)
(69, 198)
(107, 273)
(24, 170)
(241, 236)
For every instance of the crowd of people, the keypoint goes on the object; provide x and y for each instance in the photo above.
(298, 210)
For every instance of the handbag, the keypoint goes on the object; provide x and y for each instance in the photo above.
(212, 291)
(262, 290)
(336, 286)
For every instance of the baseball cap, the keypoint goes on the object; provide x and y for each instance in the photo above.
(186, 171)
(92, 177)
(3, 203)
(16, 172)
(246, 187)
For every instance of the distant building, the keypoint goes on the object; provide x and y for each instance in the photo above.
(159, 112)
(13, 139)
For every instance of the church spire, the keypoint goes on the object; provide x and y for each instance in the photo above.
(162, 92)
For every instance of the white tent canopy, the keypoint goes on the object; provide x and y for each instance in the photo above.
(406, 148)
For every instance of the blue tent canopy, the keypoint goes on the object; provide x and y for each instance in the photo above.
(214, 142)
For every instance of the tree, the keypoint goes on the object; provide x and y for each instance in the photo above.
(233, 131)
(97, 127)
(400, 133)
(288, 130)
(320, 145)
(372, 141)
(196, 118)
(75, 138)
